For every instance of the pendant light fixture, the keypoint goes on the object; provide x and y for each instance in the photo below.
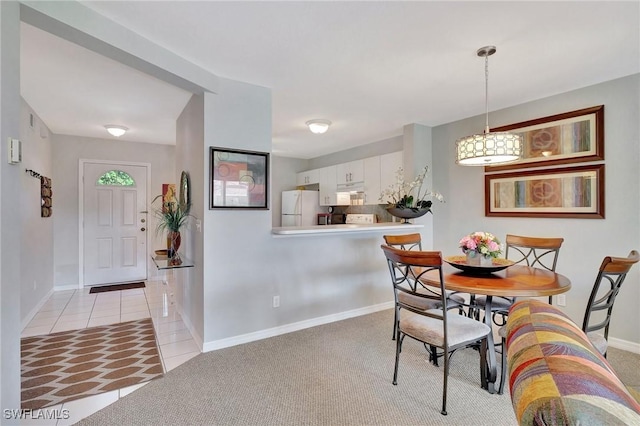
(488, 148)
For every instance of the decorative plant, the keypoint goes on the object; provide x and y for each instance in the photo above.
(405, 195)
(483, 243)
(172, 215)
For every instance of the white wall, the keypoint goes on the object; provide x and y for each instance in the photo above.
(36, 252)
(587, 241)
(67, 151)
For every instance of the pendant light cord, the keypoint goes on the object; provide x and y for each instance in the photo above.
(486, 92)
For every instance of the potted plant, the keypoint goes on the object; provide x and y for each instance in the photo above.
(172, 215)
(406, 200)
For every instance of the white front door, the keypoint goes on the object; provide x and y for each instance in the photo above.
(114, 223)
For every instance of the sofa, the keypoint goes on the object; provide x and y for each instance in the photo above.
(557, 377)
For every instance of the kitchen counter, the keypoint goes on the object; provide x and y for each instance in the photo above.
(296, 231)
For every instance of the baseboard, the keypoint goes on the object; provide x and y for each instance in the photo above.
(276, 331)
(26, 320)
(624, 345)
(187, 322)
(66, 287)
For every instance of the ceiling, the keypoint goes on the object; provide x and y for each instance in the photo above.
(369, 67)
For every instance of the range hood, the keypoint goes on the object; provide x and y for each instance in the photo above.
(351, 187)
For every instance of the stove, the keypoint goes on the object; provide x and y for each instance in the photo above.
(361, 219)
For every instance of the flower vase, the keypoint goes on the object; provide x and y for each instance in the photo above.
(173, 243)
(476, 259)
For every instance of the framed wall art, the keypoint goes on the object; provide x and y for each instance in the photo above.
(572, 137)
(570, 192)
(238, 179)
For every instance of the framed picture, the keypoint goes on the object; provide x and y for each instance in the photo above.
(238, 179)
(576, 192)
(571, 137)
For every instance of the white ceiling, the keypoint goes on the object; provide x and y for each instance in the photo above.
(369, 67)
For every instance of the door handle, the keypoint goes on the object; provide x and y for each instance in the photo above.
(143, 229)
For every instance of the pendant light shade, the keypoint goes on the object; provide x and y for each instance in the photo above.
(488, 148)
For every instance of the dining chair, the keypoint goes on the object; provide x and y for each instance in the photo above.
(597, 316)
(537, 252)
(437, 327)
(414, 242)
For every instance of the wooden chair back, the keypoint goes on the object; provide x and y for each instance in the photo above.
(405, 241)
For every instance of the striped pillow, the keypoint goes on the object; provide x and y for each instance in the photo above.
(556, 376)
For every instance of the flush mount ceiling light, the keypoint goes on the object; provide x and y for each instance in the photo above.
(488, 148)
(116, 130)
(318, 126)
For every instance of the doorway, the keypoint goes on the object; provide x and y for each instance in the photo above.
(113, 222)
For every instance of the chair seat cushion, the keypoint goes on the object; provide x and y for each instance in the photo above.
(431, 331)
(455, 299)
(502, 332)
(599, 342)
(497, 303)
(418, 302)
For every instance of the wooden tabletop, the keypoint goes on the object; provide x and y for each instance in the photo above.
(513, 281)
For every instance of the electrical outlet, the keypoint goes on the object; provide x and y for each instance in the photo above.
(276, 301)
(562, 300)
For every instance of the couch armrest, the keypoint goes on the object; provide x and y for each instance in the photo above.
(556, 376)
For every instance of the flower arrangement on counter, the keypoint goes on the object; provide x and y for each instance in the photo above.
(482, 243)
(403, 195)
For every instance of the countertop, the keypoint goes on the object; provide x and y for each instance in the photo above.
(294, 231)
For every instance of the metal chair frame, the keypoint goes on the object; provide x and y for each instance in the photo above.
(406, 268)
(411, 242)
(535, 252)
(613, 272)
(532, 251)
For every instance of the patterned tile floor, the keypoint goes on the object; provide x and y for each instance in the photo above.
(75, 309)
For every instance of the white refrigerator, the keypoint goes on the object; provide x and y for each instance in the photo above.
(300, 208)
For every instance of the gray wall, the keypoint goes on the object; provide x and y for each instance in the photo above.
(385, 146)
(189, 154)
(67, 151)
(587, 241)
(283, 178)
(36, 252)
(10, 189)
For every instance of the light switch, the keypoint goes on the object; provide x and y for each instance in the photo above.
(15, 151)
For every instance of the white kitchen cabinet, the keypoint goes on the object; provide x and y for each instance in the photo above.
(328, 186)
(309, 177)
(389, 165)
(350, 173)
(371, 180)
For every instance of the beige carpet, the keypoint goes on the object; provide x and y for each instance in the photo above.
(61, 367)
(335, 374)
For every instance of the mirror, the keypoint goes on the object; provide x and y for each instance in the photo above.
(185, 192)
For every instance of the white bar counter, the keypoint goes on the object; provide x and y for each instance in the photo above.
(319, 230)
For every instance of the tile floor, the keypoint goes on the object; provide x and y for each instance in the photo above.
(75, 309)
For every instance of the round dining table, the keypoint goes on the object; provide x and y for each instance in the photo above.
(514, 281)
